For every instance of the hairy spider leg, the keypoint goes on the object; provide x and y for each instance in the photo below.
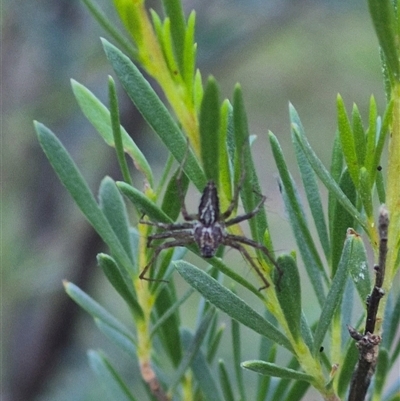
(246, 216)
(160, 248)
(262, 248)
(233, 244)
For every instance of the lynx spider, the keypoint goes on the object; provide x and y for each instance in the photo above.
(207, 229)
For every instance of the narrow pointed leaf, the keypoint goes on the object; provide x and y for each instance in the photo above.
(113, 384)
(174, 11)
(226, 384)
(171, 205)
(335, 293)
(365, 192)
(143, 203)
(119, 282)
(127, 344)
(359, 135)
(72, 179)
(298, 222)
(116, 129)
(202, 372)
(99, 116)
(341, 220)
(229, 303)
(114, 209)
(154, 112)
(347, 141)
(191, 349)
(93, 308)
(209, 130)
(189, 56)
(109, 27)
(329, 182)
(169, 330)
(258, 224)
(347, 368)
(371, 136)
(237, 358)
(289, 296)
(383, 17)
(270, 369)
(311, 187)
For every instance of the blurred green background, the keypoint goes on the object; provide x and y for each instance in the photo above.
(304, 52)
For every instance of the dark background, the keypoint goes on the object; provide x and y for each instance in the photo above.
(304, 52)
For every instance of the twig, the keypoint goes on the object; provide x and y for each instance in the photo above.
(368, 343)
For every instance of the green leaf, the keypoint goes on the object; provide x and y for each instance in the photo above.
(341, 219)
(336, 172)
(113, 207)
(387, 121)
(171, 204)
(251, 187)
(359, 135)
(298, 222)
(270, 369)
(189, 56)
(384, 19)
(119, 282)
(289, 296)
(174, 11)
(335, 292)
(169, 330)
(229, 303)
(170, 311)
(346, 368)
(109, 27)
(72, 179)
(112, 383)
(226, 384)
(347, 141)
(116, 129)
(225, 171)
(130, 16)
(329, 182)
(191, 349)
(127, 344)
(143, 203)
(202, 372)
(154, 112)
(365, 192)
(209, 131)
(94, 309)
(310, 185)
(297, 391)
(237, 358)
(371, 137)
(99, 116)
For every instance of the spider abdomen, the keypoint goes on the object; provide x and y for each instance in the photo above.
(208, 238)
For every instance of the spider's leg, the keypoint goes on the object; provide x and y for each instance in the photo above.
(256, 245)
(233, 244)
(168, 234)
(166, 226)
(160, 248)
(248, 215)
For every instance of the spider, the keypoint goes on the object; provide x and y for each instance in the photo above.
(208, 229)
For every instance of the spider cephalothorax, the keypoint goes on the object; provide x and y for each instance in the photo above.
(207, 229)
